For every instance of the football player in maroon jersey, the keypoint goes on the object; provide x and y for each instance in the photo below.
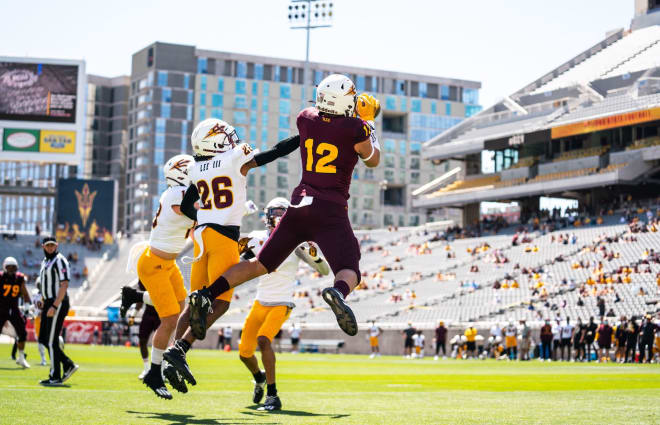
(12, 285)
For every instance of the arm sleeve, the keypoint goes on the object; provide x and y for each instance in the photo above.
(361, 131)
(188, 202)
(63, 269)
(282, 148)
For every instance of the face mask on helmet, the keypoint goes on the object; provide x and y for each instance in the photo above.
(213, 136)
(274, 216)
(336, 95)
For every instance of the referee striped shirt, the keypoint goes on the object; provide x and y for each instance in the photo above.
(53, 272)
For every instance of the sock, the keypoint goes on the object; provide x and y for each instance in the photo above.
(342, 287)
(219, 286)
(183, 345)
(156, 356)
(271, 390)
(259, 377)
(21, 354)
(146, 363)
(147, 299)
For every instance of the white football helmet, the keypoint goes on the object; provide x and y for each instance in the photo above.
(275, 210)
(176, 170)
(336, 95)
(213, 136)
(9, 261)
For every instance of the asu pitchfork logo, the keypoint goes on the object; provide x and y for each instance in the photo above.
(85, 203)
(180, 165)
(215, 130)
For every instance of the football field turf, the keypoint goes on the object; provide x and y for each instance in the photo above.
(337, 389)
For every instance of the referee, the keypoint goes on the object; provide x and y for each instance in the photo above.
(53, 284)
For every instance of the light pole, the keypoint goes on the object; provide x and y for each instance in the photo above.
(308, 15)
(143, 193)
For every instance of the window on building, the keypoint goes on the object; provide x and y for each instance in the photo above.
(240, 102)
(241, 87)
(415, 148)
(240, 117)
(162, 78)
(404, 104)
(400, 87)
(390, 103)
(444, 92)
(258, 71)
(389, 160)
(160, 125)
(283, 167)
(434, 107)
(241, 132)
(285, 106)
(167, 95)
(414, 177)
(186, 81)
(283, 121)
(202, 65)
(389, 145)
(202, 113)
(471, 96)
(360, 83)
(241, 69)
(190, 97)
(255, 88)
(448, 108)
(165, 110)
(282, 134)
(285, 91)
(416, 105)
(423, 89)
(318, 76)
(368, 203)
(393, 123)
(217, 100)
(282, 182)
(202, 82)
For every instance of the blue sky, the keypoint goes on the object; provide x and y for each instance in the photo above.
(504, 44)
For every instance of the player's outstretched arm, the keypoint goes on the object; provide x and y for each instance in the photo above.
(369, 152)
(187, 206)
(282, 148)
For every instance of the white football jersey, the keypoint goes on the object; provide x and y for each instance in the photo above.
(374, 331)
(275, 288)
(169, 230)
(221, 186)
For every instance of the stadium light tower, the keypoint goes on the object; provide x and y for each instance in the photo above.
(309, 15)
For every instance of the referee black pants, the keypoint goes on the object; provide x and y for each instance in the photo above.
(49, 332)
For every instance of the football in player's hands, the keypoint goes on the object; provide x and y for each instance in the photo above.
(368, 107)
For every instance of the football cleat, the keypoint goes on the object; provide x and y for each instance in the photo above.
(200, 307)
(50, 382)
(69, 371)
(343, 313)
(143, 374)
(258, 393)
(129, 296)
(177, 360)
(272, 403)
(154, 381)
(22, 363)
(174, 377)
(43, 363)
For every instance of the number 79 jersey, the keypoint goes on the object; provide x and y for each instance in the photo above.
(222, 187)
(328, 154)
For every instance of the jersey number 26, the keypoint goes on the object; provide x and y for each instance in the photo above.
(222, 196)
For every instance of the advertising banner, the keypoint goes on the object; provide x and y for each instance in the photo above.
(86, 210)
(20, 140)
(57, 141)
(77, 331)
(604, 123)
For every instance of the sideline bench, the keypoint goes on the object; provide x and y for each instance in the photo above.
(315, 345)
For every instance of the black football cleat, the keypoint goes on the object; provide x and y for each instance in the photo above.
(343, 313)
(200, 307)
(129, 296)
(174, 377)
(272, 403)
(50, 382)
(177, 360)
(154, 380)
(69, 371)
(258, 393)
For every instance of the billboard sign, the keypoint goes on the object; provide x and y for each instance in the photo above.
(42, 110)
(86, 210)
(38, 92)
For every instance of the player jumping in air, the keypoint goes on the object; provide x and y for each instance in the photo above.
(272, 304)
(331, 141)
(157, 268)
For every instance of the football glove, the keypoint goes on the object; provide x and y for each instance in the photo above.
(368, 107)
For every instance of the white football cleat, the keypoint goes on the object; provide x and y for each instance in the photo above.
(22, 363)
(143, 374)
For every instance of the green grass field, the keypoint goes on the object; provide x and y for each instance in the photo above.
(337, 389)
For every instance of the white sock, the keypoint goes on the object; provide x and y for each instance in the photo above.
(42, 352)
(146, 363)
(21, 354)
(156, 355)
(146, 298)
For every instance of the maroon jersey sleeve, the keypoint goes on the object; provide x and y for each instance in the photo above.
(360, 130)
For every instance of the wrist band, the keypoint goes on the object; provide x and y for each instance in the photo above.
(369, 157)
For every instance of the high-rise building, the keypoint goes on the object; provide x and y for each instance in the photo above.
(173, 87)
(106, 136)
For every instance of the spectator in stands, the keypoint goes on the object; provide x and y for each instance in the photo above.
(526, 340)
(471, 341)
(567, 329)
(408, 340)
(604, 341)
(440, 340)
(589, 338)
(546, 341)
(601, 306)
